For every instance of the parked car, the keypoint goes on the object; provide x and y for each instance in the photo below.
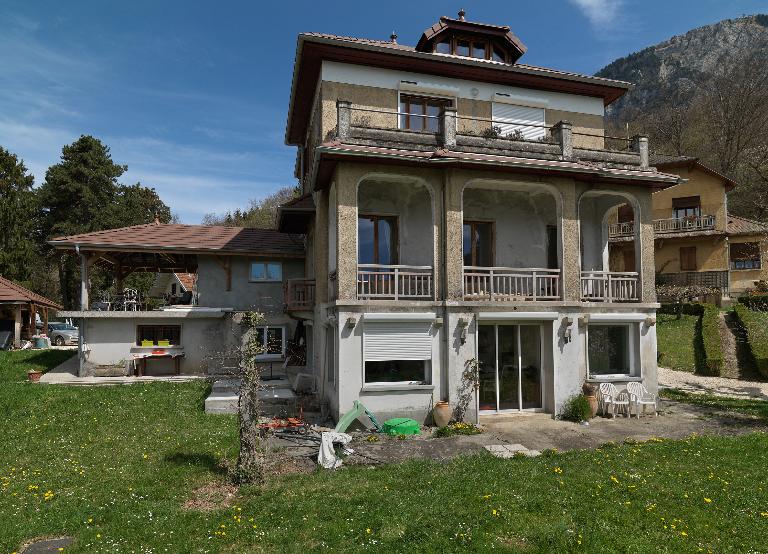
(62, 333)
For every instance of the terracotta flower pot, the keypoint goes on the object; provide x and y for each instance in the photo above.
(441, 414)
(592, 404)
(34, 375)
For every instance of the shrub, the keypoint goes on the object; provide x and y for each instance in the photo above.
(576, 409)
(755, 302)
(458, 428)
(710, 339)
(755, 324)
(687, 309)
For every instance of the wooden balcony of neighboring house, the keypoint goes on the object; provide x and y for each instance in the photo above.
(395, 282)
(610, 286)
(508, 284)
(672, 225)
(299, 295)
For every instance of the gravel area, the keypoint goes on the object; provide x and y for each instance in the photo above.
(721, 386)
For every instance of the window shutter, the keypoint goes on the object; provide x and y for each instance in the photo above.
(511, 118)
(688, 258)
(397, 340)
(686, 202)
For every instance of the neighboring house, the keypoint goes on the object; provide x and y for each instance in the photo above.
(19, 308)
(455, 204)
(176, 288)
(697, 241)
(237, 269)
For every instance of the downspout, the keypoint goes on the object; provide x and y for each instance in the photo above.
(443, 243)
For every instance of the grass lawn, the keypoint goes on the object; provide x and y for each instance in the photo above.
(14, 365)
(676, 339)
(112, 466)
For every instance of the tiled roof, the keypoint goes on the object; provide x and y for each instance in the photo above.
(662, 160)
(11, 292)
(303, 202)
(187, 238)
(187, 280)
(743, 226)
(523, 66)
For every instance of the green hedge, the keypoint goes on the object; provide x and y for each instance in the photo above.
(756, 325)
(710, 339)
(755, 301)
(709, 348)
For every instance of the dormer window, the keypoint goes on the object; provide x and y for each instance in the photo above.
(468, 47)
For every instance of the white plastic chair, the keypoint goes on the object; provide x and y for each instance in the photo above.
(639, 397)
(611, 398)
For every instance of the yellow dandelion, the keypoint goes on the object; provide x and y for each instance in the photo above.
(708, 500)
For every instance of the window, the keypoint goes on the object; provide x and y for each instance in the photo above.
(471, 48)
(397, 351)
(478, 243)
(745, 255)
(519, 121)
(686, 207)
(377, 240)
(421, 113)
(274, 346)
(158, 335)
(266, 271)
(609, 350)
(687, 258)
(552, 257)
(173, 289)
(626, 214)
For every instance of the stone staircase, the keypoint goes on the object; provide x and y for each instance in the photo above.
(277, 397)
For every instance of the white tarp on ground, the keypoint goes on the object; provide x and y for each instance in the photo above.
(327, 455)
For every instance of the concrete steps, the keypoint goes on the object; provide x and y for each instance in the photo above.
(277, 398)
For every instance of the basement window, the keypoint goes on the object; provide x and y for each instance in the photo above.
(745, 255)
(610, 350)
(397, 352)
(272, 342)
(158, 335)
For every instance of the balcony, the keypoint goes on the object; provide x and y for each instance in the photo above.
(299, 295)
(506, 284)
(666, 226)
(610, 286)
(394, 282)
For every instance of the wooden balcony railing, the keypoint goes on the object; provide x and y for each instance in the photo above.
(610, 286)
(299, 294)
(394, 282)
(625, 229)
(509, 284)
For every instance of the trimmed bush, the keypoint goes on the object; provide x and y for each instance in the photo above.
(755, 301)
(710, 340)
(576, 409)
(688, 308)
(756, 325)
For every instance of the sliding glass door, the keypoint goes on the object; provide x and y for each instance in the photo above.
(510, 367)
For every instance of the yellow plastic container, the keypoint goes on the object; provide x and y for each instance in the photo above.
(163, 343)
(147, 343)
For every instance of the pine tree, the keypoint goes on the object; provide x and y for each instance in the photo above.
(17, 245)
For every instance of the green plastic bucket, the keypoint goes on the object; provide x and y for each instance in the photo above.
(401, 426)
(40, 342)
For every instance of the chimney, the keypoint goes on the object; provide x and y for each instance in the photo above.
(462, 13)
(393, 38)
(157, 219)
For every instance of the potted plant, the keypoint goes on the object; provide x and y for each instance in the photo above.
(34, 375)
(590, 393)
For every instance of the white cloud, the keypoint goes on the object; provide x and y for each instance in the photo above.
(599, 12)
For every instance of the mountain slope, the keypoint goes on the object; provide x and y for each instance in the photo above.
(671, 70)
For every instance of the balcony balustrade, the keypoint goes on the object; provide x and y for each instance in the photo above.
(610, 286)
(394, 282)
(662, 226)
(299, 294)
(507, 284)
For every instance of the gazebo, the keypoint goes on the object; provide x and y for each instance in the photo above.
(18, 312)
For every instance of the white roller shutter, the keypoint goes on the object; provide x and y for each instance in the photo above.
(511, 118)
(397, 340)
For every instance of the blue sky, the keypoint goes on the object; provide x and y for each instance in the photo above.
(193, 95)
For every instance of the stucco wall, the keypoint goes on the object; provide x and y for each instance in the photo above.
(412, 204)
(711, 253)
(112, 341)
(520, 223)
(743, 279)
(710, 189)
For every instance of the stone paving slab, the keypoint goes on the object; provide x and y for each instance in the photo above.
(510, 450)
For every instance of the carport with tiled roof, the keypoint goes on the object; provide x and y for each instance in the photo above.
(18, 309)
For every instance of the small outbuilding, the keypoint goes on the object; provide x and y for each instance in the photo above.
(18, 313)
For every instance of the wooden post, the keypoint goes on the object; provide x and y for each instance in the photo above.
(17, 327)
(45, 321)
(32, 320)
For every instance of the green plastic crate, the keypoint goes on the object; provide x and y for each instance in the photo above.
(401, 426)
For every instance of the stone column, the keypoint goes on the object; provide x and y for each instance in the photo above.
(17, 326)
(84, 267)
(639, 144)
(346, 233)
(562, 133)
(320, 250)
(645, 238)
(343, 118)
(449, 127)
(571, 248)
(453, 229)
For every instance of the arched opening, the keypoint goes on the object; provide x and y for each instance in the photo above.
(609, 240)
(395, 239)
(511, 242)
